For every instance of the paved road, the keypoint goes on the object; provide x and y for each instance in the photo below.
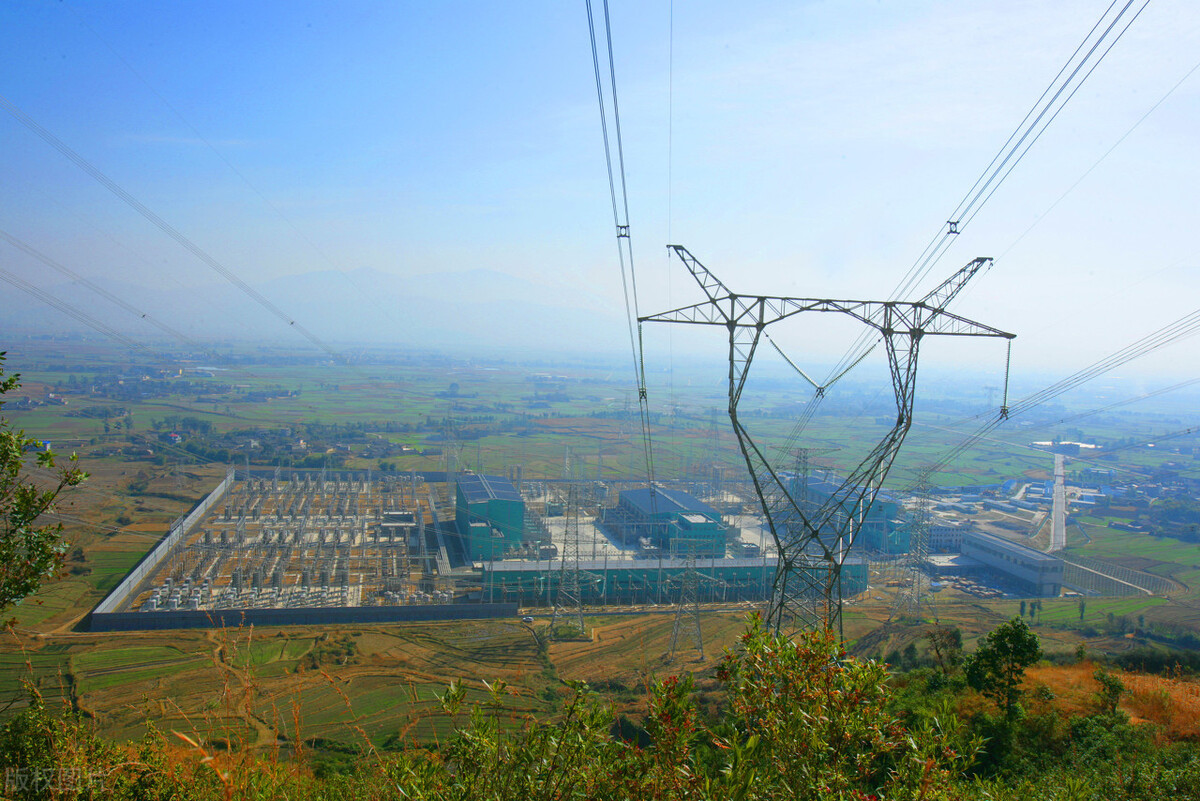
(1058, 525)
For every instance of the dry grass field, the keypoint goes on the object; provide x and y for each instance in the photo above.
(1170, 703)
(379, 683)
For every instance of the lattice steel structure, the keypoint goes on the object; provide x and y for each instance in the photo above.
(813, 543)
(568, 601)
(910, 598)
(687, 608)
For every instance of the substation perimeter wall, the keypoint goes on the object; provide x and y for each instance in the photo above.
(233, 618)
(128, 587)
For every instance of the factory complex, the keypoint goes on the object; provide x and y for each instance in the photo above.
(274, 546)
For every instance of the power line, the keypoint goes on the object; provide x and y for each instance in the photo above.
(101, 291)
(1127, 401)
(1021, 155)
(621, 222)
(161, 224)
(1098, 161)
(71, 311)
(298, 231)
(1020, 141)
(1184, 327)
(1051, 102)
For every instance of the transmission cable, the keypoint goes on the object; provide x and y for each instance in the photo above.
(620, 211)
(1057, 111)
(71, 311)
(387, 310)
(1098, 161)
(162, 224)
(101, 291)
(1180, 329)
(1018, 144)
(1127, 401)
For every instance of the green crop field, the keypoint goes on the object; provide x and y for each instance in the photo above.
(382, 682)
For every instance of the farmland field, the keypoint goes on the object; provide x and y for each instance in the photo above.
(552, 420)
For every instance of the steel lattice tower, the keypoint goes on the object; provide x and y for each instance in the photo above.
(687, 609)
(910, 591)
(813, 543)
(568, 599)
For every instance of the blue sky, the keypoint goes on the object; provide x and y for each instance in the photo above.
(815, 148)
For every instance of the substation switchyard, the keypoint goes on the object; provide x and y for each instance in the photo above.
(290, 547)
(330, 539)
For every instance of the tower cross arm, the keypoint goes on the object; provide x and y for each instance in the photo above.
(920, 318)
(711, 285)
(759, 311)
(707, 313)
(941, 295)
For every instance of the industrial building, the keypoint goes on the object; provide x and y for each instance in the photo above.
(490, 516)
(278, 547)
(880, 528)
(647, 581)
(668, 519)
(1035, 572)
(945, 537)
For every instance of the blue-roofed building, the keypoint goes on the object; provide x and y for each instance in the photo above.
(661, 503)
(661, 517)
(880, 527)
(490, 515)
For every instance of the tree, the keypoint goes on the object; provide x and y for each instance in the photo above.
(29, 552)
(804, 721)
(1111, 689)
(946, 644)
(998, 664)
(1022, 609)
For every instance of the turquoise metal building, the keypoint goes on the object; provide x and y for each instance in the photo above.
(641, 581)
(662, 517)
(490, 516)
(880, 527)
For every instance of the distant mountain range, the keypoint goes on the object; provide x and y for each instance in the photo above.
(475, 308)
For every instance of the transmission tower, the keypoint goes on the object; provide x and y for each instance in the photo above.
(910, 597)
(568, 600)
(451, 454)
(687, 610)
(802, 469)
(813, 543)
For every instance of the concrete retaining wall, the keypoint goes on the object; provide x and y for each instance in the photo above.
(150, 562)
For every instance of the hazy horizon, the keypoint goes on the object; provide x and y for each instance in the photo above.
(434, 177)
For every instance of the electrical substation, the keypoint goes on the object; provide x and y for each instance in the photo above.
(274, 547)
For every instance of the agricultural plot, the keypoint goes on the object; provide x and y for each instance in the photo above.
(382, 682)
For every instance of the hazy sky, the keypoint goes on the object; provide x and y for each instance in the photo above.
(815, 148)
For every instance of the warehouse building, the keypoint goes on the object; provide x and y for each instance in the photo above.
(945, 537)
(1035, 572)
(490, 516)
(656, 518)
(880, 528)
